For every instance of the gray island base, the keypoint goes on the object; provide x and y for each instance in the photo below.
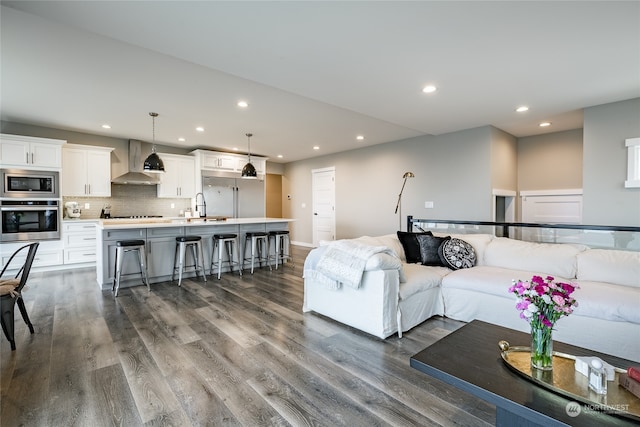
(160, 241)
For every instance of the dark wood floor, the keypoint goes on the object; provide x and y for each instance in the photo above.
(238, 351)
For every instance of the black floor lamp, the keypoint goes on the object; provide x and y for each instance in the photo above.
(399, 204)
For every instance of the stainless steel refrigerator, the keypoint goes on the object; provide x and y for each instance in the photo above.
(234, 197)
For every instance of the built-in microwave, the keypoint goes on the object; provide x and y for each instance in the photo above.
(29, 184)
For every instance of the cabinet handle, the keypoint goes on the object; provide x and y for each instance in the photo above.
(89, 254)
(89, 186)
(89, 238)
(27, 160)
(32, 158)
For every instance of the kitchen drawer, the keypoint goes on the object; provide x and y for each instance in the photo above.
(79, 240)
(78, 227)
(42, 259)
(80, 255)
(125, 234)
(165, 232)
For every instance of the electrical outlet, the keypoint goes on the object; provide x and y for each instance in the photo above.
(428, 205)
(87, 206)
(173, 205)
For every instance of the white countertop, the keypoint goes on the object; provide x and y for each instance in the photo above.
(133, 223)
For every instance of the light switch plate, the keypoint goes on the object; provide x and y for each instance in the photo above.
(428, 205)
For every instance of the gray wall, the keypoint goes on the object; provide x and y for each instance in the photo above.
(606, 200)
(452, 170)
(551, 161)
(504, 160)
(458, 171)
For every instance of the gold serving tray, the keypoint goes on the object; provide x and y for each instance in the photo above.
(565, 380)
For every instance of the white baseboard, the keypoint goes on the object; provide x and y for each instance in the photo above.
(305, 244)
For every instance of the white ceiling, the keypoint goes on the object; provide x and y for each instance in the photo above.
(314, 73)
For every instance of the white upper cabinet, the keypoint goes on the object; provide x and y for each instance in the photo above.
(179, 178)
(227, 162)
(218, 161)
(86, 171)
(30, 152)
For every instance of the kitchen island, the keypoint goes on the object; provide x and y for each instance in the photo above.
(160, 235)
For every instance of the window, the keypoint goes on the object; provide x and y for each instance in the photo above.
(633, 163)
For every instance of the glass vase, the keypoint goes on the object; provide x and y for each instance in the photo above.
(541, 348)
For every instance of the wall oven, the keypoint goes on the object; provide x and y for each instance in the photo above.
(29, 184)
(36, 219)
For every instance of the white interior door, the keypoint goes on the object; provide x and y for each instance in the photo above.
(323, 199)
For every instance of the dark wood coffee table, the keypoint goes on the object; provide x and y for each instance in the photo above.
(470, 360)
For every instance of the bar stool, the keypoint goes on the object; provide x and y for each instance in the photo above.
(259, 243)
(282, 250)
(193, 242)
(229, 242)
(122, 247)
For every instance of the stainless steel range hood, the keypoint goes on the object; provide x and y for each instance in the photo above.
(138, 151)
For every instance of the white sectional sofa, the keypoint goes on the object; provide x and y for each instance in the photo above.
(394, 296)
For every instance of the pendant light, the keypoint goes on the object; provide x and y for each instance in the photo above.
(249, 171)
(153, 163)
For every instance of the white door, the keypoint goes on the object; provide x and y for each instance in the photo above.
(324, 197)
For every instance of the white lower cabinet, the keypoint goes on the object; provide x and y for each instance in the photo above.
(49, 254)
(79, 242)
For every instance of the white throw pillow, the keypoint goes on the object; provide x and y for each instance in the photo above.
(556, 259)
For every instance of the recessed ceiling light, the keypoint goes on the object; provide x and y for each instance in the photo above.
(242, 104)
(280, 156)
(200, 129)
(181, 139)
(359, 137)
(545, 124)
(429, 89)
(522, 109)
(316, 147)
(105, 126)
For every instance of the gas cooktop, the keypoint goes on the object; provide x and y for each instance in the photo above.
(136, 216)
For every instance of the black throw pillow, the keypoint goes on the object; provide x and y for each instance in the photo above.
(429, 246)
(411, 246)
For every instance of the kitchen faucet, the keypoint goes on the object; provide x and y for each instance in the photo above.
(203, 213)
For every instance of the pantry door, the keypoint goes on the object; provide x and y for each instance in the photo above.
(323, 183)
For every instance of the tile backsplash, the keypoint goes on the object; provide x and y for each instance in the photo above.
(129, 200)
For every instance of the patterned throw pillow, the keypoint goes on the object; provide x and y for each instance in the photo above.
(456, 254)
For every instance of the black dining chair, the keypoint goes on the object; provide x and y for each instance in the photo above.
(11, 289)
